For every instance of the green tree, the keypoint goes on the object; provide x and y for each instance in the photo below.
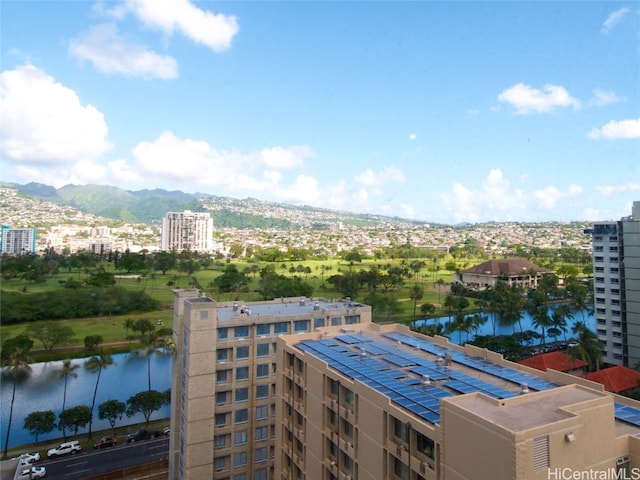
(128, 325)
(416, 293)
(50, 334)
(92, 341)
(165, 261)
(143, 326)
(112, 411)
(37, 423)
(96, 364)
(145, 403)
(589, 348)
(11, 344)
(75, 418)
(15, 366)
(68, 370)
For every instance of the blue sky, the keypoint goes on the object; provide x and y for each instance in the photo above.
(439, 111)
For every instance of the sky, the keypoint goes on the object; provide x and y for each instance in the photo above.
(443, 112)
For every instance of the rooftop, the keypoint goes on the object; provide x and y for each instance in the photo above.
(282, 308)
(416, 373)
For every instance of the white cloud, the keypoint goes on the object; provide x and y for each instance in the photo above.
(608, 190)
(111, 53)
(614, 19)
(377, 179)
(616, 130)
(497, 198)
(526, 99)
(215, 31)
(290, 157)
(44, 122)
(547, 198)
(601, 98)
(412, 136)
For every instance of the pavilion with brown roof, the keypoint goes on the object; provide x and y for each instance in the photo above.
(616, 379)
(514, 271)
(559, 361)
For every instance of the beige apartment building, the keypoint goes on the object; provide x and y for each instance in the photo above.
(377, 402)
(223, 396)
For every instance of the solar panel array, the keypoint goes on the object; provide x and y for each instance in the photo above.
(409, 379)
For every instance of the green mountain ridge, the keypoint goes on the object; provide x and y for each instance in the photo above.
(150, 206)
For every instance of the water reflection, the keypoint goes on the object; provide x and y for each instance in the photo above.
(44, 390)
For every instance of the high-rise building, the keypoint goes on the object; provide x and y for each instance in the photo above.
(187, 231)
(223, 400)
(17, 241)
(379, 402)
(616, 283)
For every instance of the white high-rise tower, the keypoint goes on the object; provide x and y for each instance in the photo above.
(187, 230)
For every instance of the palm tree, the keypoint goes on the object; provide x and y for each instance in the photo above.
(559, 318)
(15, 365)
(96, 364)
(589, 348)
(542, 320)
(68, 370)
(440, 282)
(416, 294)
(149, 347)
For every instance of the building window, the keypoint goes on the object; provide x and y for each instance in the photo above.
(262, 412)
(262, 370)
(222, 355)
(352, 319)
(220, 441)
(239, 459)
(240, 437)
(242, 352)
(220, 463)
(318, 322)
(261, 454)
(221, 398)
(221, 376)
(240, 476)
(262, 391)
(347, 395)
(281, 327)
(260, 474)
(336, 321)
(262, 350)
(425, 445)
(263, 329)
(301, 326)
(334, 387)
(223, 333)
(400, 430)
(262, 433)
(242, 394)
(242, 373)
(400, 469)
(241, 332)
(220, 419)
(241, 415)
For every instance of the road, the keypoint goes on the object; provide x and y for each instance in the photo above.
(89, 463)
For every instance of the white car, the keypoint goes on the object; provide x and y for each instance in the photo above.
(28, 458)
(64, 449)
(33, 472)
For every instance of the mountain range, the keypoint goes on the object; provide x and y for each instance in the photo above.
(150, 206)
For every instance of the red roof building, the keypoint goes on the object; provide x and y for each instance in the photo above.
(559, 361)
(616, 379)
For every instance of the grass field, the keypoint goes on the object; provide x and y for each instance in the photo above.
(160, 287)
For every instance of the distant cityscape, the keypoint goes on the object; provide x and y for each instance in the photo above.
(64, 228)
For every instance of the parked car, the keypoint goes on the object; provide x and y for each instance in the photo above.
(142, 435)
(104, 442)
(166, 430)
(33, 472)
(65, 448)
(28, 458)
